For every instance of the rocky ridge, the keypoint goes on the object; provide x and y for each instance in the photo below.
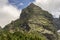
(33, 24)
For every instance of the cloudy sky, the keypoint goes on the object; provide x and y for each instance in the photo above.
(11, 9)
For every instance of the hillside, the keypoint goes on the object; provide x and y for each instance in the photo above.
(33, 24)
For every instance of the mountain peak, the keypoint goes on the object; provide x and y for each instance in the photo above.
(32, 5)
(34, 19)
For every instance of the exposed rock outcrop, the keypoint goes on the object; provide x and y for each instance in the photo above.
(34, 20)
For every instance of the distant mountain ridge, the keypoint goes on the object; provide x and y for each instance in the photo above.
(57, 23)
(33, 24)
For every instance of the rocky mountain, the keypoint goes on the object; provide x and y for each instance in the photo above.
(34, 24)
(57, 23)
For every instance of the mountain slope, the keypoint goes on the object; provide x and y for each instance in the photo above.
(33, 21)
(57, 23)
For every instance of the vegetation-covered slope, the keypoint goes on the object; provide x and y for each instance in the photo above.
(33, 24)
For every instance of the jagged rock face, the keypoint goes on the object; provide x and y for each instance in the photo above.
(57, 23)
(38, 20)
(34, 19)
(0, 28)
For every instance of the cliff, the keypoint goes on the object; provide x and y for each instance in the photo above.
(33, 24)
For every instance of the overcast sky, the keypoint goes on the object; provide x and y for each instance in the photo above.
(7, 13)
(11, 9)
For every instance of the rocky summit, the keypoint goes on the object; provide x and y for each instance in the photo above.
(34, 24)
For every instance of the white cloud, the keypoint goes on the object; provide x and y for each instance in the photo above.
(11, 10)
(58, 31)
(53, 6)
(3, 2)
(7, 13)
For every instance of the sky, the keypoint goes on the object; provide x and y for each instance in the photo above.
(10, 10)
(20, 3)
